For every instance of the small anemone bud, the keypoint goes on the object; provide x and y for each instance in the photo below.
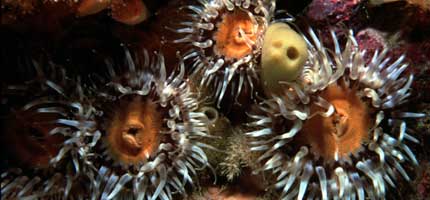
(89, 7)
(283, 56)
(130, 12)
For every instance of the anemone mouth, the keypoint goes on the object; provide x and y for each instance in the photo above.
(342, 133)
(236, 35)
(336, 133)
(134, 131)
(225, 40)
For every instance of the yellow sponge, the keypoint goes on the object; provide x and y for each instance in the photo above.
(283, 56)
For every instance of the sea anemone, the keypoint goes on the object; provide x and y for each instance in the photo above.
(337, 131)
(151, 130)
(225, 40)
(40, 134)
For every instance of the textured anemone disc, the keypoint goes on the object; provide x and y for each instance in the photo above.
(337, 132)
(151, 130)
(225, 40)
(39, 136)
(133, 132)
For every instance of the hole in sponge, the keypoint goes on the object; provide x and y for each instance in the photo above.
(292, 53)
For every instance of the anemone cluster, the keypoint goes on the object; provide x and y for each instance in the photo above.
(327, 122)
(133, 134)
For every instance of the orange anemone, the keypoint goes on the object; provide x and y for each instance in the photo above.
(129, 12)
(236, 34)
(344, 131)
(133, 133)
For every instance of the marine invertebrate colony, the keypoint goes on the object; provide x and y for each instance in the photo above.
(225, 40)
(150, 132)
(335, 132)
(325, 121)
(137, 134)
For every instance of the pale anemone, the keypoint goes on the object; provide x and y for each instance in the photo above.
(225, 40)
(337, 132)
(151, 132)
(43, 136)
